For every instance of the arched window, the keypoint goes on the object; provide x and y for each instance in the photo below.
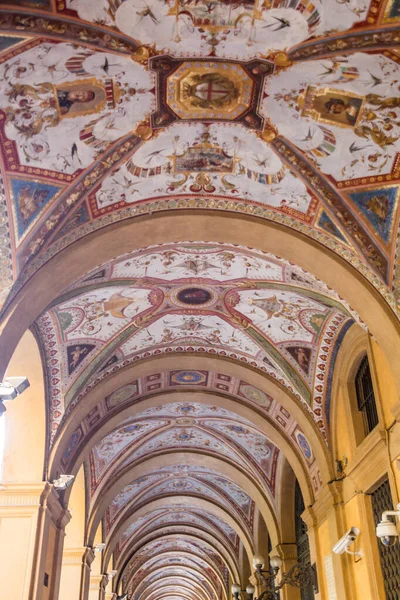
(365, 396)
(303, 546)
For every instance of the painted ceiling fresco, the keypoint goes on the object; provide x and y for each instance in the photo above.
(195, 553)
(210, 298)
(184, 516)
(112, 110)
(186, 426)
(181, 479)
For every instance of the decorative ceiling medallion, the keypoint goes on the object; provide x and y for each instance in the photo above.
(209, 90)
(185, 422)
(193, 296)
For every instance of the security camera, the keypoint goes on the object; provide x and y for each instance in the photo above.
(63, 482)
(343, 544)
(386, 530)
(12, 387)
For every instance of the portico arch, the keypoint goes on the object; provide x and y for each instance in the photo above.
(85, 254)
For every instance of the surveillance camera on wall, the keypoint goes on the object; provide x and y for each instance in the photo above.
(343, 544)
(12, 387)
(386, 530)
(63, 482)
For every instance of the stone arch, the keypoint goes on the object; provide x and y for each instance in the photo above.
(225, 552)
(86, 254)
(168, 502)
(125, 376)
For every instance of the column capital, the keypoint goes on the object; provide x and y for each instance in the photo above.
(73, 556)
(284, 551)
(23, 497)
(88, 556)
(330, 496)
(104, 581)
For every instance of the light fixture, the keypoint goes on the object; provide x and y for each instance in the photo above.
(112, 574)
(251, 590)
(386, 530)
(258, 562)
(300, 575)
(236, 590)
(99, 548)
(63, 482)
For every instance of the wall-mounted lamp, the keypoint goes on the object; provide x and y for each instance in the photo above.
(301, 576)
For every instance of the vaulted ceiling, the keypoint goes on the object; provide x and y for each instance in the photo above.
(187, 372)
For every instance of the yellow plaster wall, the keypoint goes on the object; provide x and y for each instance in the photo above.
(73, 544)
(385, 381)
(25, 417)
(16, 562)
(324, 549)
(358, 586)
(342, 429)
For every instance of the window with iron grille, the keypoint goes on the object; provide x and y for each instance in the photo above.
(390, 556)
(303, 546)
(366, 397)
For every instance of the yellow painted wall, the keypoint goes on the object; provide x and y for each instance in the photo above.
(342, 429)
(16, 562)
(324, 550)
(386, 384)
(25, 417)
(73, 543)
(358, 569)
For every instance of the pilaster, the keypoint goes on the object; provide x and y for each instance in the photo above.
(86, 582)
(329, 508)
(33, 521)
(103, 586)
(71, 573)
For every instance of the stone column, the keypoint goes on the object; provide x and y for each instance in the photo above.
(87, 559)
(32, 521)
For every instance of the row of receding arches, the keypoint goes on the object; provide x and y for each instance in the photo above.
(220, 534)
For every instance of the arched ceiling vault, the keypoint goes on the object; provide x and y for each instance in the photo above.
(225, 551)
(216, 559)
(198, 201)
(209, 532)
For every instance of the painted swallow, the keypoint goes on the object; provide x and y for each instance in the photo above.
(354, 148)
(260, 162)
(74, 152)
(147, 12)
(153, 154)
(282, 23)
(375, 80)
(309, 135)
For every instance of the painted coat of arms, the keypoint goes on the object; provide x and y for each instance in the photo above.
(210, 90)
